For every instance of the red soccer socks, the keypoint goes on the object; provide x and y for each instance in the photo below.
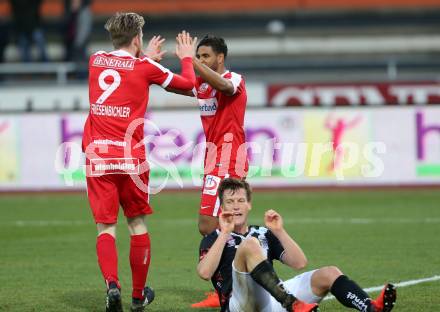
(107, 257)
(140, 256)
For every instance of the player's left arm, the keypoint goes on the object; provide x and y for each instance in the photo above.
(185, 49)
(293, 255)
(185, 82)
(214, 79)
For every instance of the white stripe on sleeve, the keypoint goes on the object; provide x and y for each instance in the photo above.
(168, 80)
(236, 80)
(163, 69)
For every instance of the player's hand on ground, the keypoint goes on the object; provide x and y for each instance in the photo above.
(226, 222)
(185, 45)
(273, 220)
(154, 48)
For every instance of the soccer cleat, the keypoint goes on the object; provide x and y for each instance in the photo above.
(138, 305)
(386, 299)
(301, 306)
(113, 300)
(212, 301)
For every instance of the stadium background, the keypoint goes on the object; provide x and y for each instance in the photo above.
(307, 64)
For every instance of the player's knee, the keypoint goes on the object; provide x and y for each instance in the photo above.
(204, 229)
(137, 226)
(331, 273)
(251, 245)
(106, 229)
(333, 270)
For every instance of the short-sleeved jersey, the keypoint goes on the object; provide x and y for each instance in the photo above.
(223, 123)
(118, 94)
(222, 278)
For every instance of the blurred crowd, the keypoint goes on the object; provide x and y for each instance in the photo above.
(27, 32)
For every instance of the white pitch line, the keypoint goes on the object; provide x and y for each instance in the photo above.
(360, 220)
(401, 284)
(44, 223)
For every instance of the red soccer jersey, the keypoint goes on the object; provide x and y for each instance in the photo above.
(223, 123)
(118, 95)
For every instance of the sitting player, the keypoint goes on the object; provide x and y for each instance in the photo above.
(238, 260)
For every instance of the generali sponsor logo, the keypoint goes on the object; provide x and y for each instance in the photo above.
(114, 62)
(408, 93)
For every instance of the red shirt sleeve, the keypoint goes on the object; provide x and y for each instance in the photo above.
(157, 74)
(187, 78)
(237, 82)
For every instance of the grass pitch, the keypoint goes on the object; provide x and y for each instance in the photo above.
(48, 261)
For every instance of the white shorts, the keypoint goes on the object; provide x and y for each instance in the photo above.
(248, 296)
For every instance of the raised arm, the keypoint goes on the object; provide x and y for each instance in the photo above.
(210, 261)
(293, 255)
(154, 48)
(185, 50)
(213, 78)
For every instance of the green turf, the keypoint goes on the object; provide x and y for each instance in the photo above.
(48, 262)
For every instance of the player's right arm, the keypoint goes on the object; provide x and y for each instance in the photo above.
(210, 260)
(214, 79)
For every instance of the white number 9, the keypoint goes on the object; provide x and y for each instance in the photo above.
(108, 88)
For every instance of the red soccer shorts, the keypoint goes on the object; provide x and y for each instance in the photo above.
(108, 191)
(210, 203)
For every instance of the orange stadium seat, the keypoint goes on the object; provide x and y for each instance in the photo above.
(368, 4)
(54, 8)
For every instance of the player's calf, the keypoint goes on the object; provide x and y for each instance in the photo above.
(266, 277)
(207, 224)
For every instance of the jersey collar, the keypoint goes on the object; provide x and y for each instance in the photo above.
(121, 53)
(245, 234)
(225, 73)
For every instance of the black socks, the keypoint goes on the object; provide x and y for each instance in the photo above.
(266, 277)
(350, 294)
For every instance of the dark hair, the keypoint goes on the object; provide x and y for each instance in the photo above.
(217, 44)
(234, 185)
(123, 27)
